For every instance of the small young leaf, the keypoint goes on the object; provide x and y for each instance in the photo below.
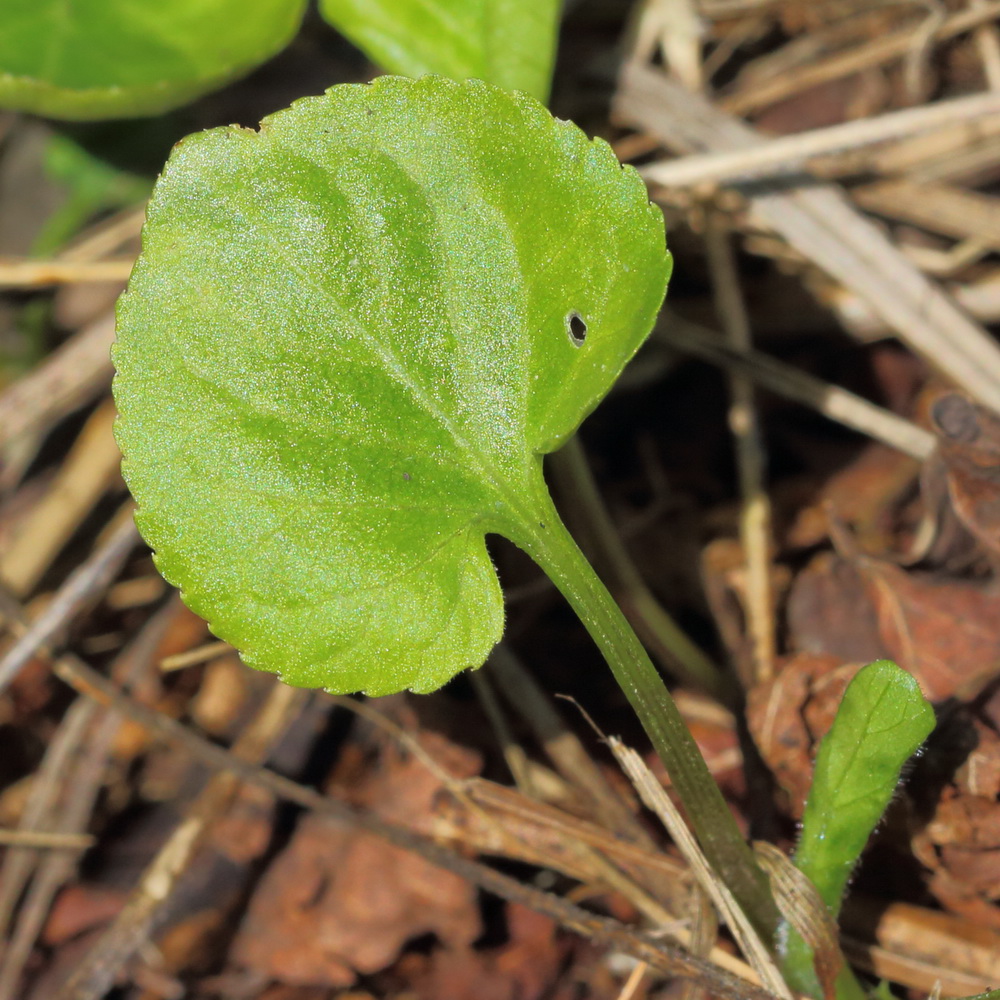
(507, 42)
(346, 344)
(92, 59)
(882, 720)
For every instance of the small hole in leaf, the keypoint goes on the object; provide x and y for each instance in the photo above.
(576, 328)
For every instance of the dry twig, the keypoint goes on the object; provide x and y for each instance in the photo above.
(83, 478)
(755, 514)
(664, 957)
(896, 45)
(656, 799)
(28, 274)
(64, 798)
(69, 377)
(83, 585)
(138, 919)
(833, 402)
(791, 153)
(822, 225)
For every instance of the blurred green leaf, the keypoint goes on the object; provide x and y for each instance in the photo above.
(93, 59)
(92, 186)
(510, 43)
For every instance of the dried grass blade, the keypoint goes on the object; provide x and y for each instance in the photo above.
(652, 794)
(822, 225)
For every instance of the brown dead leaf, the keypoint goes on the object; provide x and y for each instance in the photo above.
(221, 700)
(80, 908)
(830, 613)
(978, 870)
(864, 494)
(942, 630)
(339, 901)
(525, 967)
(789, 715)
(969, 445)
(961, 841)
(723, 571)
(956, 946)
(967, 822)
(854, 96)
(285, 992)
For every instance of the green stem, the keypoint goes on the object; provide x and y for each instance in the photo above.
(556, 552)
(590, 522)
(797, 966)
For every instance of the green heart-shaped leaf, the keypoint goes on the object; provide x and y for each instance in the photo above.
(507, 42)
(347, 343)
(91, 59)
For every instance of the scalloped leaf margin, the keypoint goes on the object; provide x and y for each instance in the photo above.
(348, 341)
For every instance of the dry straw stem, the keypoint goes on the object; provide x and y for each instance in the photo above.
(509, 838)
(581, 857)
(89, 469)
(987, 40)
(962, 953)
(62, 799)
(918, 973)
(656, 799)
(28, 274)
(39, 840)
(893, 46)
(633, 982)
(68, 378)
(39, 811)
(675, 28)
(979, 299)
(661, 956)
(944, 263)
(721, 9)
(962, 152)
(83, 586)
(540, 825)
(937, 207)
(83, 260)
(567, 753)
(582, 850)
(575, 766)
(704, 924)
(138, 919)
(513, 753)
(106, 236)
(831, 401)
(803, 907)
(791, 153)
(584, 860)
(194, 657)
(755, 513)
(821, 224)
